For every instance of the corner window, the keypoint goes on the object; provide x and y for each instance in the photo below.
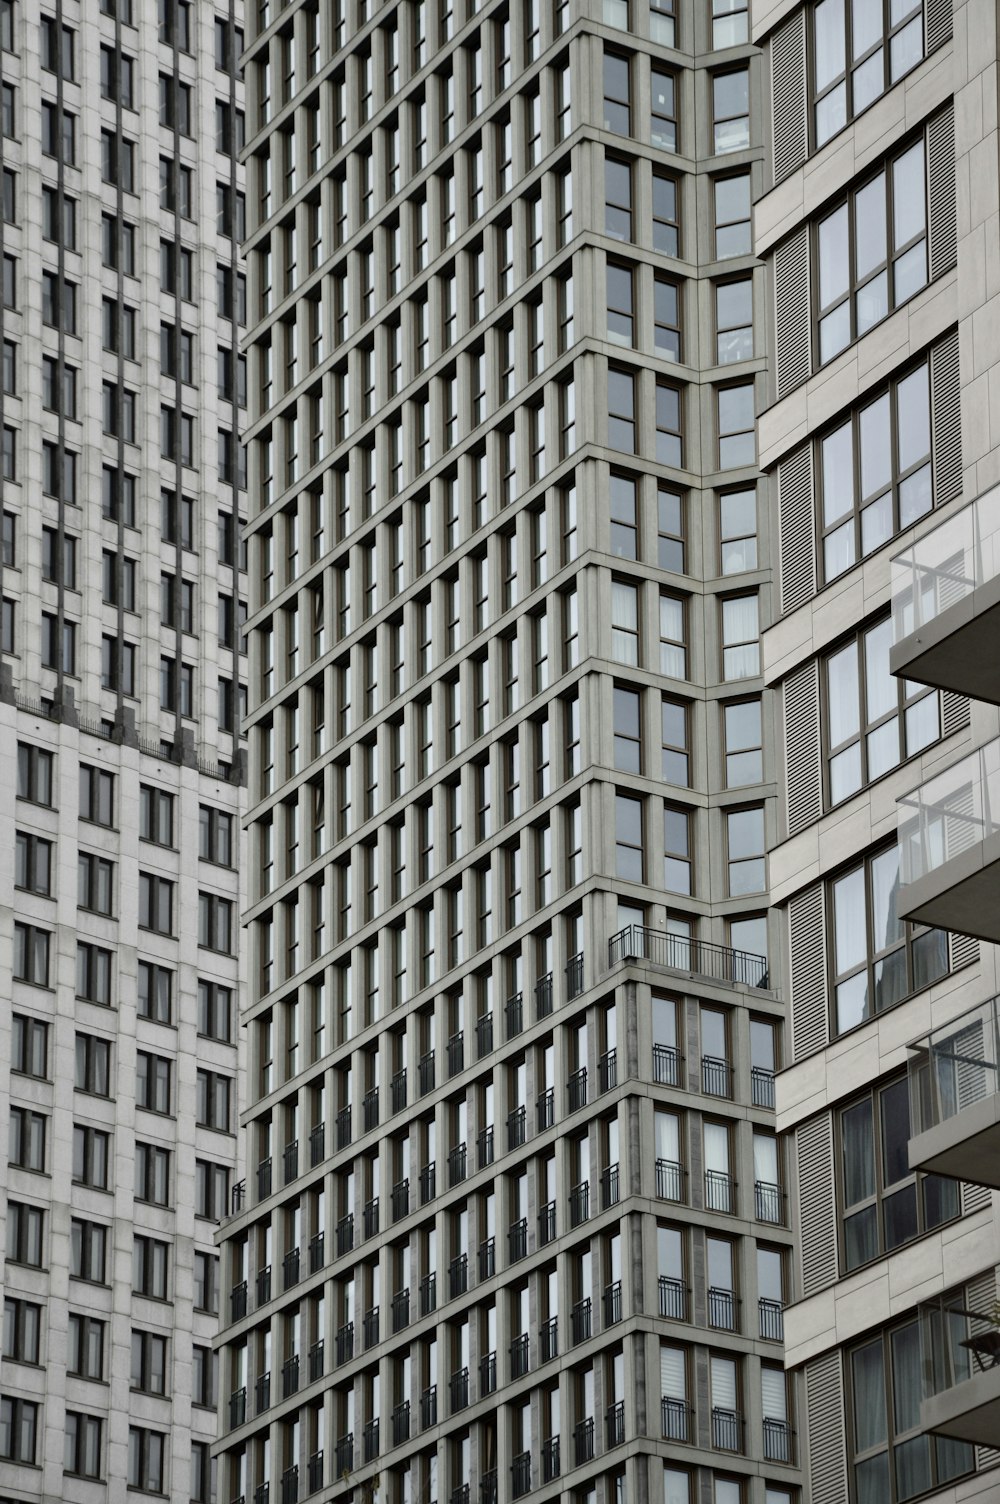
(858, 52)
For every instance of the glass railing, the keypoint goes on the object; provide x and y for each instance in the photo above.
(955, 1066)
(959, 1338)
(950, 813)
(946, 565)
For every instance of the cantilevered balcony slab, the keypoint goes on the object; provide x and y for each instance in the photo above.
(969, 1412)
(955, 1097)
(949, 842)
(946, 603)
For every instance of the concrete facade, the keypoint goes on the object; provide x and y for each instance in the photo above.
(120, 760)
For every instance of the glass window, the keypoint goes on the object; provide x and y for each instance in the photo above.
(666, 319)
(617, 103)
(627, 729)
(676, 849)
(740, 644)
(737, 439)
(628, 838)
(674, 737)
(623, 515)
(874, 472)
(732, 217)
(673, 650)
(729, 23)
(874, 720)
(665, 221)
(669, 443)
(738, 531)
(617, 198)
(884, 222)
(670, 529)
(621, 409)
(624, 622)
(743, 743)
(859, 50)
(620, 314)
(663, 122)
(731, 111)
(734, 321)
(877, 958)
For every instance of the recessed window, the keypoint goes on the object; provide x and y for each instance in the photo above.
(666, 319)
(732, 217)
(620, 312)
(624, 622)
(673, 647)
(729, 23)
(676, 849)
(734, 321)
(624, 515)
(745, 850)
(617, 199)
(663, 118)
(669, 442)
(627, 729)
(621, 409)
(617, 102)
(666, 225)
(731, 111)
(628, 838)
(740, 637)
(738, 531)
(743, 743)
(670, 529)
(872, 252)
(674, 740)
(737, 440)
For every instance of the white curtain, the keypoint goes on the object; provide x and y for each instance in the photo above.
(673, 1372)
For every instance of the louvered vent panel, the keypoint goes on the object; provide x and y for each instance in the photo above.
(817, 1220)
(975, 1197)
(937, 22)
(947, 409)
(807, 946)
(791, 310)
(803, 778)
(941, 191)
(954, 712)
(964, 950)
(788, 96)
(795, 506)
(825, 1429)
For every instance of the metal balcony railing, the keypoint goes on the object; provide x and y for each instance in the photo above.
(520, 1475)
(317, 1251)
(607, 1071)
(761, 1086)
(370, 1109)
(457, 1164)
(370, 1441)
(291, 1161)
(429, 1408)
(401, 1423)
(722, 1309)
(484, 1034)
(637, 942)
(460, 1495)
(237, 1408)
(290, 1485)
(547, 1224)
(614, 1425)
(315, 1469)
(397, 1091)
(458, 1275)
(456, 1053)
(487, 1258)
(517, 1240)
(517, 1127)
(574, 976)
(317, 1145)
(665, 1064)
(673, 1301)
(548, 1339)
(487, 1374)
(488, 1487)
(264, 1178)
(674, 1418)
(459, 1390)
(400, 1200)
(343, 1343)
(718, 1191)
(777, 1440)
(264, 1285)
(513, 1010)
(579, 1203)
(290, 1376)
(583, 1441)
(262, 1493)
(425, 1072)
(343, 1126)
(370, 1327)
(428, 1183)
(343, 1455)
(546, 1108)
(484, 1148)
(238, 1301)
(768, 1199)
(716, 1076)
(580, 1320)
(317, 1360)
(610, 1187)
(370, 1218)
(291, 1268)
(428, 1294)
(772, 1319)
(550, 1459)
(613, 1303)
(345, 1235)
(543, 996)
(727, 1427)
(669, 1180)
(576, 1089)
(400, 1310)
(519, 1356)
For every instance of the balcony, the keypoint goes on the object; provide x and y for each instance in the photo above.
(317, 1145)
(487, 1258)
(458, 1275)
(716, 1077)
(291, 1268)
(400, 1310)
(727, 1427)
(520, 1479)
(574, 976)
(960, 1361)
(580, 1320)
(514, 1014)
(264, 1179)
(673, 1301)
(428, 1294)
(777, 1440)
(370, 1218)
(429, 1408)
(718, 1191)
(262, 1393)
(291, 1161)
(237, 1408)
(264, 1285)
(948, 831)
(674, 1419)
(610, 1186)
(519, 1356)
(955, 1097)
(543, 996)
(722, 1310)
(669, 1180)
(612, 1303)
(946, 604)
(768, 1200)
(317, 1364)
(487, 1374)
(457, 1165)
(428, 1183)
(343, 1455)
(238, 1301)
(459, 1388)
(425, 1072)
(548, 1339)
(343, 1125)
(345, 1235)
(579, 1203)
(456, 1054)
(517, 1127)
(343, 1343)
(290, 1485)
(665, 1063)
(397, 1091)
(576, 1089)
(370, 1109)
(370, 1441)
(583, 1441)
(703, 958)
(401, 1423)
(550, 1459)
(517, 1240)
(614, 1425)
(400, 1200)
(771, 1314)
(488, 1487)
(762, 1087)
(546, 1108)
(484, 1034)
(547, 1224)
(315, 1472)
(370, 1327)
(290, 1377)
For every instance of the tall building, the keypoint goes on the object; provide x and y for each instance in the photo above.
(879, 228)
(516, 1218)
(120, 760)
